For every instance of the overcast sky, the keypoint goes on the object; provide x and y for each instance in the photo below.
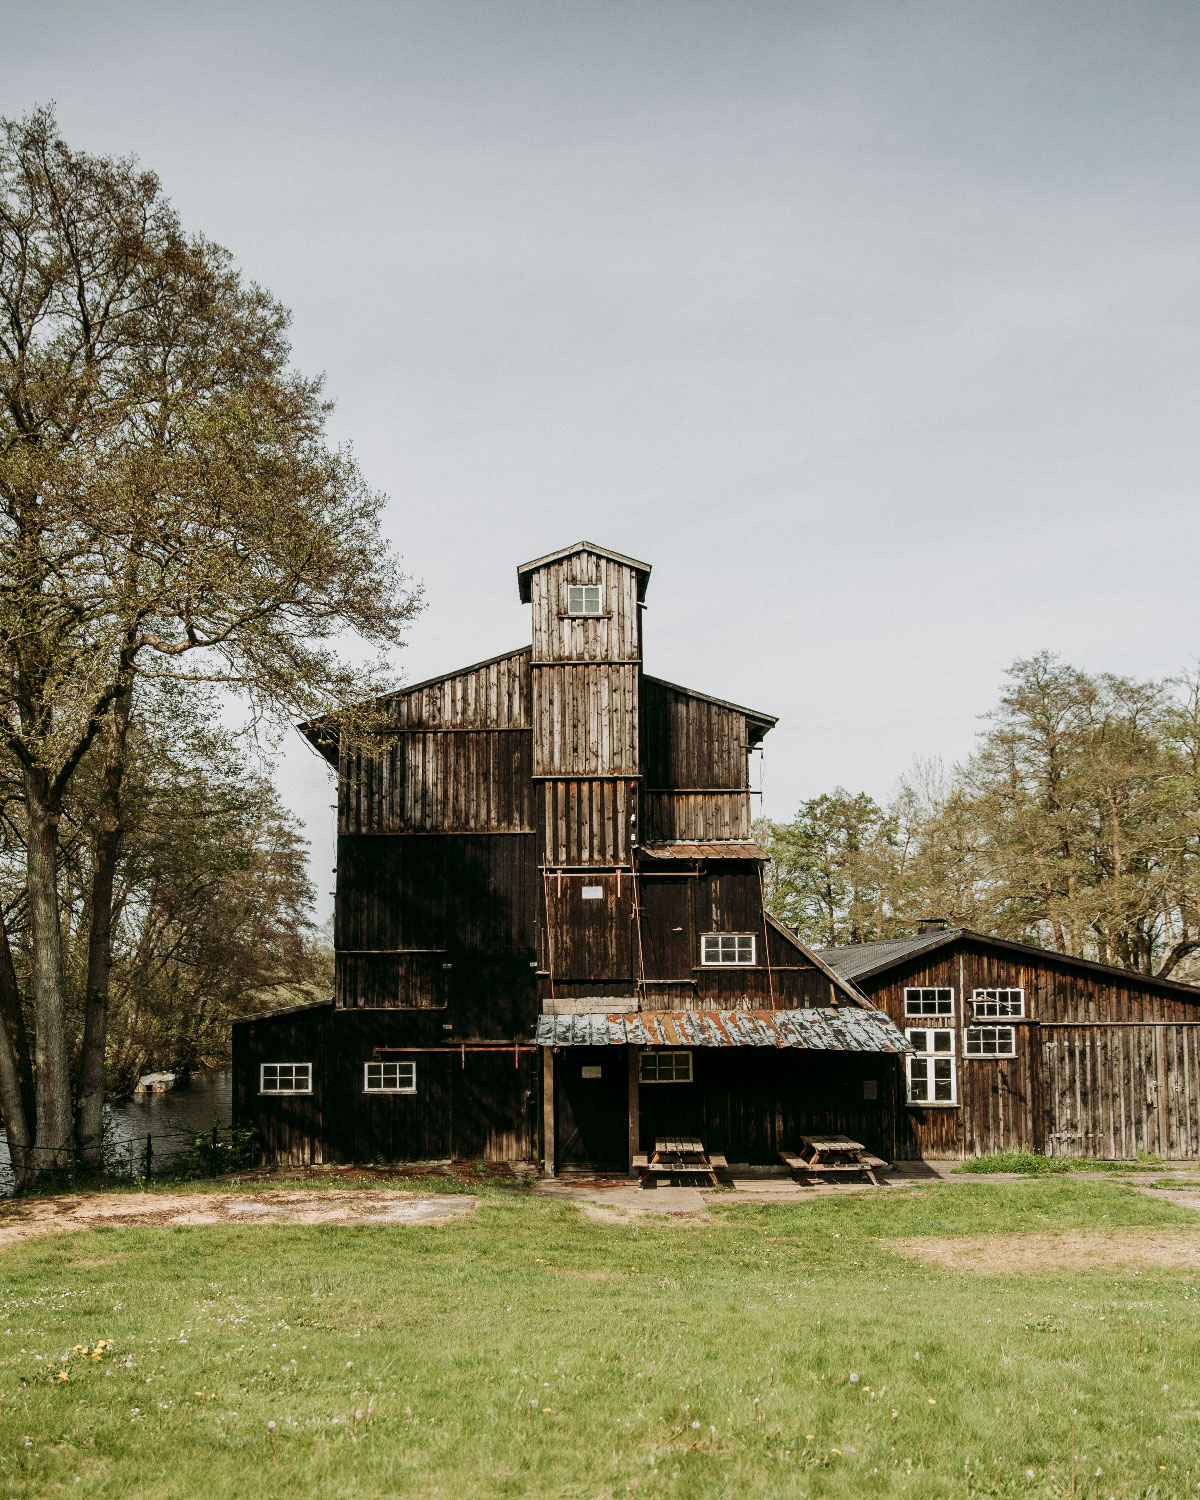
(873, 327)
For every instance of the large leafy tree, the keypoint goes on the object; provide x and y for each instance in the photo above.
(1075, 825)
(831, 870)
(170, 507)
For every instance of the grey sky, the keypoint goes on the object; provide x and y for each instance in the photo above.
(872, 326)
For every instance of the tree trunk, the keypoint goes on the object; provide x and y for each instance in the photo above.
(16, 1074)
(89, 1127)
(53, 1142)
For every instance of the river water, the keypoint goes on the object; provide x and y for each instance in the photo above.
(171, 1120)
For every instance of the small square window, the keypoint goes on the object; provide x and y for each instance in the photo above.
(731, 949)
(990, 1041)
(390, 1078)
(990, 1003)
(285, 1078)
(665, 1067)
(926, 1001)
(583, 598)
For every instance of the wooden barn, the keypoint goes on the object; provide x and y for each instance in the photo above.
(1019, 1048)
(551, 944)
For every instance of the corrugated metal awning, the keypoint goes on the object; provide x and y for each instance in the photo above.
(841, 1030)
(704, 849)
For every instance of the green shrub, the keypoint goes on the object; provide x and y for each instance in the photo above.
(1032, 1163)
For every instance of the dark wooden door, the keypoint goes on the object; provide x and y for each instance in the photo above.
(666, 927)
(591, 1111)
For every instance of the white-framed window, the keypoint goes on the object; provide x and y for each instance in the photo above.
(583, 598)
(931, 1075)
(285, 1078)
(389, 1078)
(990, 1041)
(925, 1000)
(992, 1003)
(665, 1067)
(734, 949)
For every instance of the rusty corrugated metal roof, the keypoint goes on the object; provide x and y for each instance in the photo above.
(704, 849)
(841, 1030)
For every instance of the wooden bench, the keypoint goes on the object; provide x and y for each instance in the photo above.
(675, 1156)
(831, 1156)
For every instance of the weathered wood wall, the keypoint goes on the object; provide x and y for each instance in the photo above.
(694, 754)
(614, 636)
(746, 1103)
(1106, 1065)
(468, 1105)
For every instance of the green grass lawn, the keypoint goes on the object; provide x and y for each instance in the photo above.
(529, 1350)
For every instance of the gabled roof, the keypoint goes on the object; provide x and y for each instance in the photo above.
(843, 981)
(284, 1010)
(322, 733)
(753, 715)
(523, 572)
(858, 961)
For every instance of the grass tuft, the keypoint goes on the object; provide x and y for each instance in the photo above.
(1030, 1163)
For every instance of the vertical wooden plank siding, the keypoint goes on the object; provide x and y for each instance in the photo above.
(1105, 1065)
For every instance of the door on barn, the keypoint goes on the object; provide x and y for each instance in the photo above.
(591, 1109)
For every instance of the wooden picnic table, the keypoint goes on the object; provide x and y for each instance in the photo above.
(677, 1156)
(831, 1155)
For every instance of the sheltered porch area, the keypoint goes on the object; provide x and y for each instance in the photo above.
(749, 1084)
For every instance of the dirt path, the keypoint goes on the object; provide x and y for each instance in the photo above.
(1136, 1248)
(27, 1218)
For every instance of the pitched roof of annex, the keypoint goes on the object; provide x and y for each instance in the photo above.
(859, 961)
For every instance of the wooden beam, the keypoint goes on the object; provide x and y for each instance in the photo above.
(635, 1054)
(547, 1111)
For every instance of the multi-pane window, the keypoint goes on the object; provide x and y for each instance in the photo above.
(931, 1077)
(925, 1001)
(998, 1003)
(733, 948)
(390, 1078)
(666, 1067)
(285, 1078)
(990, 1041)
(583, 598)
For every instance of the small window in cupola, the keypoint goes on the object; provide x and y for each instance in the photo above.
(583, 598)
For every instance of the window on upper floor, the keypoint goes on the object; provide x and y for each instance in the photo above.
(990, 1041)
(998, 1003)
(583, 598)
(728, 949)
(927, 1001)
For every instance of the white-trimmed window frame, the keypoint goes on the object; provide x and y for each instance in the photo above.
(982, 999)
(384, 1066)
(582, 609)
(937, 990)
(657, 1057)
(296, 1068)
(720, 940)
(929, 1055)
(976, 1053)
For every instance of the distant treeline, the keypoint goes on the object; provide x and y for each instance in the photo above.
(1074, 825)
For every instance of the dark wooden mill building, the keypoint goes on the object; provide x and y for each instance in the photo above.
(1019, 1048)
(550, 936)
